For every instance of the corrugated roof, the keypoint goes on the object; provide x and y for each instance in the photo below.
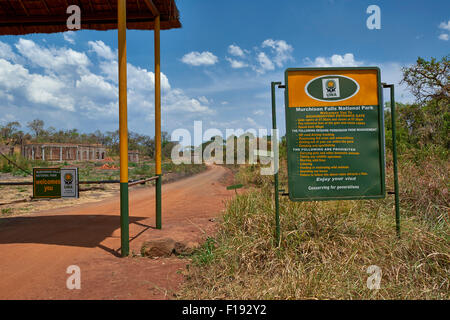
(49, 16)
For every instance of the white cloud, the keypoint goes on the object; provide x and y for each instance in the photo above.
(59, 60)
(69, 36)
(102, 50)
(258, 112)
(445, 25)
(236, 64)
(6, 52)
(282, 50)
(265, 62)
(176, 101)
(195, 58)
(203, 100)
(443, 36)
(252, 122)
(53, 91)
(137, 77)
(336, 60)
(235, 51)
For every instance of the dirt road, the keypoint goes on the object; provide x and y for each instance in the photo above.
(36, 250)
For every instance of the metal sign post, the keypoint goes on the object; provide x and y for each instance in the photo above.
(275, 176)
(394, 158)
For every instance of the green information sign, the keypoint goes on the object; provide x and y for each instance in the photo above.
(335, 133)
(46, 183)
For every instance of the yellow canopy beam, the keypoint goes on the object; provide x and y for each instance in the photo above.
(123, 127)
(158, 169)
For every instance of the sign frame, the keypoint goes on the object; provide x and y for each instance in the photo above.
(381, 134)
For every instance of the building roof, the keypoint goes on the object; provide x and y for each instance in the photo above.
(19, 17)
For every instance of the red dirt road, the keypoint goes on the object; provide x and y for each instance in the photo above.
(36, 250)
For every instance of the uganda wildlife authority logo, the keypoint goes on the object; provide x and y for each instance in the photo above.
(68, 178)
(331, 88)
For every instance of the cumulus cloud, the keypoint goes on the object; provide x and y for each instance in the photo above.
(66, 84)
(69, 36)
(445, 25)
(6, 52)
(269, 55)
(264, 62)
(53, 60)
(281, 49)
(236, 64)
(195, 58)
(336, 60)
(102, 50)
(235, 51)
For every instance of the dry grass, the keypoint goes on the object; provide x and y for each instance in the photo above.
(326, 247)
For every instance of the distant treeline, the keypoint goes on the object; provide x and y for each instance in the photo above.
(13, 135)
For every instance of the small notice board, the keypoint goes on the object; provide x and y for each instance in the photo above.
(55, 183)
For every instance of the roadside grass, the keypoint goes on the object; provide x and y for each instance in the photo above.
(326, 247)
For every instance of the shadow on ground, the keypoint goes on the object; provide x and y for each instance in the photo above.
(65, 230)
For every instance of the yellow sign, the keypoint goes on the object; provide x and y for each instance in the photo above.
(320, 88)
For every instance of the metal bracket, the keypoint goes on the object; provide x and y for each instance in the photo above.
(281, 86)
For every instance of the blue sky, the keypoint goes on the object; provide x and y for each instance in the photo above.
(217, 68)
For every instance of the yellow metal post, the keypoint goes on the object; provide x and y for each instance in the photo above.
(123, 128)
(158, 170)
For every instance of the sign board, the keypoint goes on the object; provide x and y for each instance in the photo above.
(55, 183)
(69, 182)
(334, 133)
(46, 183)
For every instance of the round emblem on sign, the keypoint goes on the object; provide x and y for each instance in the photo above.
(68, 178)
(331, 88)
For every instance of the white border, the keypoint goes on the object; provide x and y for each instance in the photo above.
(331, 75)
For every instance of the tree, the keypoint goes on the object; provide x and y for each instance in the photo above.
(36, 126)
(8, 131)
(429, 80)
(428, 120)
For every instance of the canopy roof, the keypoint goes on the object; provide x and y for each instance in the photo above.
(49, 16)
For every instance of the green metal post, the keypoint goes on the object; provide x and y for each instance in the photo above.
(124, 220)
(158, 201)
(394, 152)
(274, 127)
(394, 156)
